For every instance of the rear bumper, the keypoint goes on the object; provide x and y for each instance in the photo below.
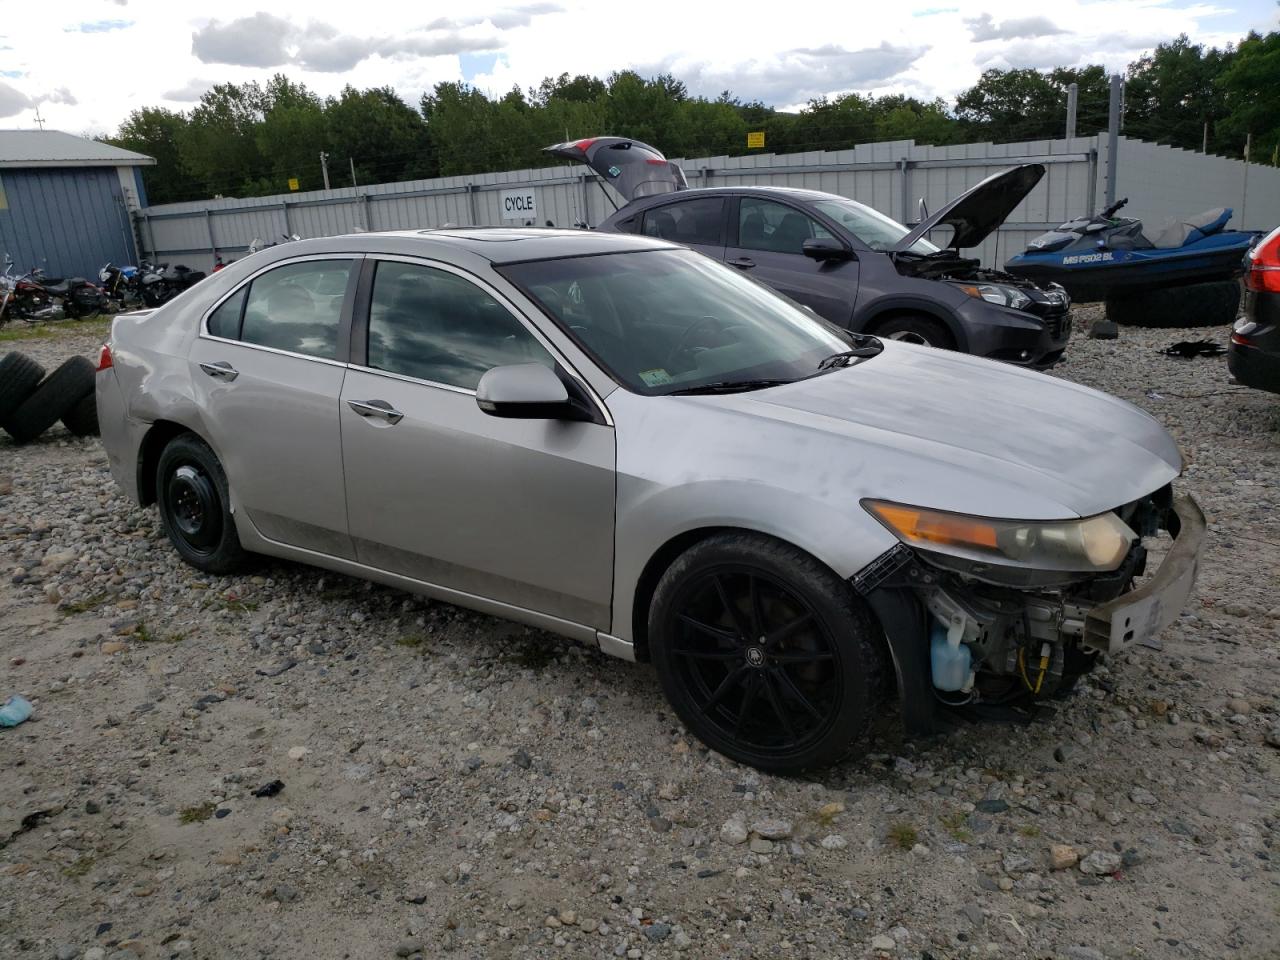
(1254, 367)
(1142, 613)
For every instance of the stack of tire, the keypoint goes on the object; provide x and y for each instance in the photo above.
(1212, 304)
(31, 403)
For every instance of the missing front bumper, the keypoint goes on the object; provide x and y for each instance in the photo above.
(1142, 613)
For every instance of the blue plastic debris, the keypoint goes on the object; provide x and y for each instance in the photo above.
(15, 710)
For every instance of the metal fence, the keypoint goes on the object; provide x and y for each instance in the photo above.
(891, 177)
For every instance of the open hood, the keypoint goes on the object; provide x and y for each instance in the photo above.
(979, 210)
(632, 168)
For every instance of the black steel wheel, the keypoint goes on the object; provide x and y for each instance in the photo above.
(191, 490)
(764, 653)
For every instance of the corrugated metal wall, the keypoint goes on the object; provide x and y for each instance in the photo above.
(68, 221)
(890, 177)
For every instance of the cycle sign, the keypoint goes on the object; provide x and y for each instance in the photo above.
(518, 205)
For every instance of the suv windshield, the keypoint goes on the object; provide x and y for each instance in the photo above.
(870, 226)
(668, 321)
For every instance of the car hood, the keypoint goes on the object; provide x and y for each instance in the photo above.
(953, 432)
(980, 209)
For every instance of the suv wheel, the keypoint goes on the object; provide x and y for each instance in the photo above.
(915, 329)
(195, 510)
(765, 654)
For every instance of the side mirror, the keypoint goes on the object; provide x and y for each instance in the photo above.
(826, 248)
(527, 391)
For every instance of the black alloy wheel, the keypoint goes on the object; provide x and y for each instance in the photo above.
(764, 653)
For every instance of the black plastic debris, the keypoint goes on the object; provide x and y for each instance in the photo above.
(269, 789)
(1190, 349)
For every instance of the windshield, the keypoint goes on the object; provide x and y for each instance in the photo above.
(870, 226)
(667, 321)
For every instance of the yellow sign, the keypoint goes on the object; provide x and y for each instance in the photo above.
(755, 140)
(293, 183)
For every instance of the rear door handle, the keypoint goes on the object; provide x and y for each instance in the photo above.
(377, 409)
(220, 370)
(742, 263)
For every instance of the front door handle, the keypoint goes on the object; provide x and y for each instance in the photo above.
(742, 263)
(377, 409)
(220, 370)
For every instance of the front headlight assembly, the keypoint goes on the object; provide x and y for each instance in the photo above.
(1091, 545)
(1000, 293)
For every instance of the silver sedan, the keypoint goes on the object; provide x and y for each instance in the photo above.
(621, 441)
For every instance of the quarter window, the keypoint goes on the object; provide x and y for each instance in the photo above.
(690, 221)
(775, 227)
(297, 307)
(225, 321)
(434, 325)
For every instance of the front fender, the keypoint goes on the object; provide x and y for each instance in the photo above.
(868, 313)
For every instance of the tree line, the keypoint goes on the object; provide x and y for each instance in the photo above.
(251, 139)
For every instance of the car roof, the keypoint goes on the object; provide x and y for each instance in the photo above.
(795, 193)
(497, 245)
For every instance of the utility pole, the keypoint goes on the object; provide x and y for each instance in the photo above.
(1244, 193)
(352, 161)
(1113, 138)
(1073, 97)
(324, 168)
(39, 119)
(1204, 147)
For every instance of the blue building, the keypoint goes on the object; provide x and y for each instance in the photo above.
(67, 203)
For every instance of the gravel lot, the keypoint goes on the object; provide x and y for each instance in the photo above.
(459, 783)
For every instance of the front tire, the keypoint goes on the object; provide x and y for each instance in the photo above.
(924, 331)
(766, 655)
(195, 508)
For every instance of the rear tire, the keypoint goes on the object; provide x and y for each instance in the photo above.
(195, 508)
(1213, 304)
(82, 419)
(766, 655)
(913, 328)
(57, 393)
(19, 376)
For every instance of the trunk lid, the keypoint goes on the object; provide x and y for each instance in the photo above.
(980, 209)
(632, 168)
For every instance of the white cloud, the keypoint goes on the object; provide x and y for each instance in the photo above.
(984, 27)
(12, 100)
(189, 92)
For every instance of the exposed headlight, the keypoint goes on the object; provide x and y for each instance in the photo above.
(1092, 545)
(999, 293)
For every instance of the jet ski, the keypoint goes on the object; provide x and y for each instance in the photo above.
(1105, 256)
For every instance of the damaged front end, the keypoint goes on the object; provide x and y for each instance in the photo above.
(968, 631)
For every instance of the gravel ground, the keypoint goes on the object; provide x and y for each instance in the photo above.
(458, 783)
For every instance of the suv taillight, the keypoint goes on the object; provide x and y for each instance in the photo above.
(104, 357)
(1264, 265)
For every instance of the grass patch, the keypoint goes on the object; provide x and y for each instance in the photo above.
(1029, 830)
(903, 836)
(79, 868)
(91, 602)
(197, 814)
(240, 606)
(18, 330)
(143, 634)
(957, 824)
(414, 639)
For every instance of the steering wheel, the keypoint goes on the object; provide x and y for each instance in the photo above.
(682, 344)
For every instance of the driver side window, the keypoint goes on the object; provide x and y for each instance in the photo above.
(775, 227)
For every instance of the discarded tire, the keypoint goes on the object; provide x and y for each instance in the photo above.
(19, 376)
(56, 395)
(1212, 304)
(82, 419)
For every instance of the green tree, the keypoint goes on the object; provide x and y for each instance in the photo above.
(156, 132)
(1249, 86)
(1007, 105)
(1173, 92)
(385, 137)
(219, 144)
(293, 132)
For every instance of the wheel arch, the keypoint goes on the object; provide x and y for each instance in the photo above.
(157, 437)
(875, 315)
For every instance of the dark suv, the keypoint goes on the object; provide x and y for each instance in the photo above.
(849, 263)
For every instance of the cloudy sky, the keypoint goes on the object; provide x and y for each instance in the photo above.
(86, 63)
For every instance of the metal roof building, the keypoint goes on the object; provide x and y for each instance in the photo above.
(67, 203)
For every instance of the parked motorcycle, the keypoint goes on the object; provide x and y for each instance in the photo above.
(159, 284)
(25, 298)
(79, 297)
(119, 283)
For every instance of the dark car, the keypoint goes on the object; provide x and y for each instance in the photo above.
(1253, 356)
(852, 265)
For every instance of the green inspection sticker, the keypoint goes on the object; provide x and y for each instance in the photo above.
(655, 378)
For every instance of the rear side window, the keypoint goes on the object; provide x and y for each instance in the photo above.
(225, 321)
(434, 325)
(297, 307)
(690, 221)
(775, 227)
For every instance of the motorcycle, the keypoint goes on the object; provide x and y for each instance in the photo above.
(25, 298)
(79, 297)
(119, 283)
(159, 284)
